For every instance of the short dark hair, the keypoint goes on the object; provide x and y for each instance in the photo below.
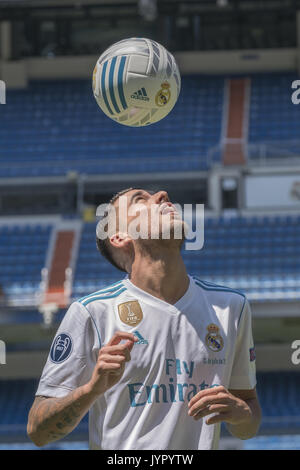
(104, 246)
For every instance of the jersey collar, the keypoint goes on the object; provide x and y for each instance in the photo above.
(156, 302)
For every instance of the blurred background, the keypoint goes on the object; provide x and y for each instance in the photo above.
(232, 143)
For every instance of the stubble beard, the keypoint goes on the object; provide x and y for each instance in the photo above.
(165, 238)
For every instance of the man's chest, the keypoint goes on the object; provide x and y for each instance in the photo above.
(182, 345)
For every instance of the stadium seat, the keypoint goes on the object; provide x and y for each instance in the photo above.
(62, 129)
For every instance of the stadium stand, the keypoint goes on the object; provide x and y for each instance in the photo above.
(16, 398)
(279, 399)
(23, 250)
(56, 133)
(62, 130)
(273, 119)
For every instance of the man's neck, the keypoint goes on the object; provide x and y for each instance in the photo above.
(161, 274)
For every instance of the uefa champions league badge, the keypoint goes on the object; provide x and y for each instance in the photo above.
(130, 313)
(163, 95)
(61, 348)
(213, 339)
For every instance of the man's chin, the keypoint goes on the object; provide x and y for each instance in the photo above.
(175, 229)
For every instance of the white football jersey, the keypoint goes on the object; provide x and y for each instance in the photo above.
(202, 341)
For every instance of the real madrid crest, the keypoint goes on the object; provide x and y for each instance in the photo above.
(130, 312)
(213, 340)
(163, 95)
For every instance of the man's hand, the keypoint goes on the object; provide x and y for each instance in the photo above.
(220, 402)
(239, 409)
(53, 418)
(111, 362)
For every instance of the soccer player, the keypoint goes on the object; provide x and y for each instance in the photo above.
(160, 358)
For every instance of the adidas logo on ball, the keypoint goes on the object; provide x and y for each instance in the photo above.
(140, 95)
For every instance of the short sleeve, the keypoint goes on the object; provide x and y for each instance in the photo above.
(72, 355)
(243, 374)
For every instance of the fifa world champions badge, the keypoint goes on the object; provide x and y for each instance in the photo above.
(130, 313)
(213, 339)
(163, 95)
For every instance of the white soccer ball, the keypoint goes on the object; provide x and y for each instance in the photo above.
(136, 82)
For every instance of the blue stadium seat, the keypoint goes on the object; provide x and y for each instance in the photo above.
(23, 250)
(55, 127)
(273, 118)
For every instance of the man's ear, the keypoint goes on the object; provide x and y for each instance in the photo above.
(119, 240)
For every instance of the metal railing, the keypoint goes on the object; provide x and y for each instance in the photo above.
(265, 153)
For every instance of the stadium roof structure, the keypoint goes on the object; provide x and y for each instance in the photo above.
(209, 4)
(122, 8)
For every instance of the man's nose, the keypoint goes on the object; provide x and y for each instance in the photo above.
(161, 196)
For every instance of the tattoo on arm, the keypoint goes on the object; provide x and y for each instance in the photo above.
(53, 418)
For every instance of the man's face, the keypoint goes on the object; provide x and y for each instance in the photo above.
(146, 215)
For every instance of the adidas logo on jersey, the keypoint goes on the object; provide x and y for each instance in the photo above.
(140, 337)
(141, 94)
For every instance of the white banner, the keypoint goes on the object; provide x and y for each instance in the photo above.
(272, 191)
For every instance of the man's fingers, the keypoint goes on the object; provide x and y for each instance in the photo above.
(109, 366)
(111, 361)
(117, 370)
(130, 344)
(119, 335)
(120, 349)
(206, 392)
(125, 348)
(208, 401)
(218, 418)
(210, 410)
(113, 358)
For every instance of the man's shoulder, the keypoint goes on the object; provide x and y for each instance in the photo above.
(219, 291)
(109, 292)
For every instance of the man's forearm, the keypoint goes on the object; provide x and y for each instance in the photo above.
(53, 418)
(249, 428)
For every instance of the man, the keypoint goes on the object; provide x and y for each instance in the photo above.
(160, 358)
